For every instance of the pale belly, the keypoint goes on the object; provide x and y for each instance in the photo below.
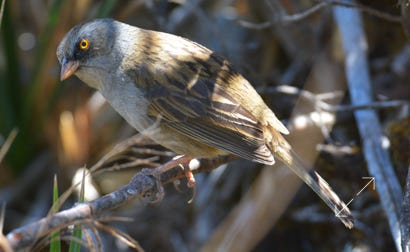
(182, 144)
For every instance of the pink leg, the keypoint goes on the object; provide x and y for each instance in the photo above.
(182, 161)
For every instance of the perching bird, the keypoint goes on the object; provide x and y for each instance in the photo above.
(197, 104)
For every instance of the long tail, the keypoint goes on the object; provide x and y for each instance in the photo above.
(285, 154)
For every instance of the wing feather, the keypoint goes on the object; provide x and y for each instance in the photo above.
(195, 103)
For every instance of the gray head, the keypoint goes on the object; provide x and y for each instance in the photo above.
(84, 49)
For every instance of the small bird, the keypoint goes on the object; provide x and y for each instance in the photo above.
(193, 100)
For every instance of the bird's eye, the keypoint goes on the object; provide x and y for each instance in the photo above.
(84, 44)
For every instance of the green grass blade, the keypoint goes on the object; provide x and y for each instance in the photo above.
(10, 93)
(77, 232)
(55, 244)
(43, 48)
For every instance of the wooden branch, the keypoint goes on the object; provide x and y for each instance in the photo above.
(285, 18)
(26, 236)
(359, 83)
(405, 15)
(405, 216)
(147, 187)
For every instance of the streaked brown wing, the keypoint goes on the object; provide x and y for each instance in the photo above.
(202, 110)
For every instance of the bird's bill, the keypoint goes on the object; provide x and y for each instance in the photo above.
(68, 68)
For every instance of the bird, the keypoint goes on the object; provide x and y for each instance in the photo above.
(190, 99)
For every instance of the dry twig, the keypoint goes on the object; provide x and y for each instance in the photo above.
(7, 144)
(405, 216)
(141, 185)
(358, 78)
(285, 18)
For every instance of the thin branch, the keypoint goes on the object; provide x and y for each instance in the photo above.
(319, 100)
(404, 6)
(127, 145)
(141, 186)
(368, 10)
(358, 78)
(285, 19)
(293, 18)
(96, 238)
(6, 146)
(405, 216)
(124, 237)
(92, 238)
(2, 11)
(368, 106)
(119, 148)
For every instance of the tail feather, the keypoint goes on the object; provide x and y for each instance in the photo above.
(285, 154)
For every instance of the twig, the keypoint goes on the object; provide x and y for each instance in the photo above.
(99, 167)
(140, 185)
(124, 237)
(368, 106)
(2, 11)
(182, 14)
(121, 147)
(320, 100)
(285, 19)
(7, 144)
(337, 150)
(404, 6)
(288, 19)
(25, 236)
(368, 10)
(358, 78)
(405, 216)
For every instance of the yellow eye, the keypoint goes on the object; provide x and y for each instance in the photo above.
(84, 44)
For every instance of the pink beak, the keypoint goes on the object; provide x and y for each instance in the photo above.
(68, 68)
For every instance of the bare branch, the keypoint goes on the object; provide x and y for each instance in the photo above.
(124, 237)
(2, 11)
(293, 18)
(405, 14)
(368, 10)
(141, 186)
(320, 99)
(285, 19)
(405, 216)
(7, 144)
(358, 78)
